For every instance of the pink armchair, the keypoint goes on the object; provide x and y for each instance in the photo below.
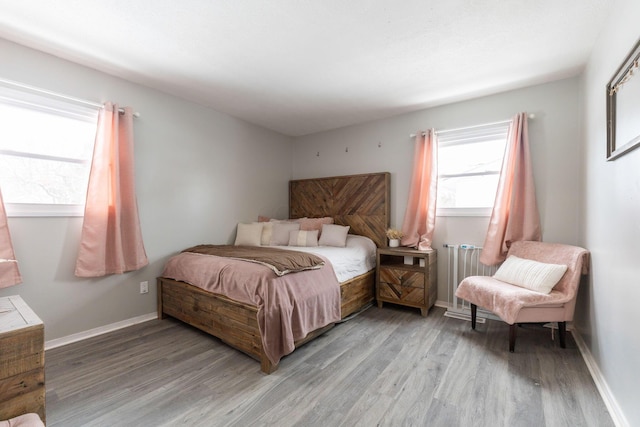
(514, 304)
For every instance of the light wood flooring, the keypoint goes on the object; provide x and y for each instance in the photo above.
(386, 367)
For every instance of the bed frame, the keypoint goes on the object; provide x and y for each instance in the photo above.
(360, 201)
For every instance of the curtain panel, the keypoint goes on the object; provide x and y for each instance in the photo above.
(111, 240)
(9, 271)
(420, 216)
(515, 212)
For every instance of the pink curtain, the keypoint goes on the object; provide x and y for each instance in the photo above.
(111, 241)
(515, 211)
(420, 216)
(9, 272)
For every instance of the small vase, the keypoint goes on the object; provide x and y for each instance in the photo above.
(394, 243)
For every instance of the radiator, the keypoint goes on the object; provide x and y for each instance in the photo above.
(464, 261)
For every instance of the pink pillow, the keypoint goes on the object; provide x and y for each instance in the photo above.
(262, 218)
(309, 224)
(26, 420)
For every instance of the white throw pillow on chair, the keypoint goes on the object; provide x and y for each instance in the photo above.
(533, 275)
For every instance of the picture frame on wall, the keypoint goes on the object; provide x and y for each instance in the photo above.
(623, 107)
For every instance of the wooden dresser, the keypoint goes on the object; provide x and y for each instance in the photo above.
(22, 387)
(407, 277)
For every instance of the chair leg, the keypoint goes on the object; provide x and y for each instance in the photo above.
(562, 333)
(512, 337)
(474, 313)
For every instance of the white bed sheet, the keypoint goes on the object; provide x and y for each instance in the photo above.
(358, 257)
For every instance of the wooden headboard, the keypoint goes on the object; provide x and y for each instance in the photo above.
(360, 201)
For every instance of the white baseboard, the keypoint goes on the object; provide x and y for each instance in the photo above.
(443, 304)
(605, 392)
(59, 342)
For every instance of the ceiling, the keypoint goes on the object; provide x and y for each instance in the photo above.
(300, 67)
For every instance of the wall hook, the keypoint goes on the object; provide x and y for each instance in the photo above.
(346, 150)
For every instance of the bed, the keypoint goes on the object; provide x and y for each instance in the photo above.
(359, 201)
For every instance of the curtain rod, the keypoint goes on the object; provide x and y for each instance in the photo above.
(413, 135)
(59, 95)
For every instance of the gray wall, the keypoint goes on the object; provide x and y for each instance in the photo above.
(198, 172)
(554, 136)
(607, 311)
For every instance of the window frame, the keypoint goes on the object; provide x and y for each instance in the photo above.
(40, 100)
(470, 135)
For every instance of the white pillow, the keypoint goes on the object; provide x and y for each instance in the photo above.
(280, 233)
(334, 235)
(529, 274)
(303, 238)
(249, 234)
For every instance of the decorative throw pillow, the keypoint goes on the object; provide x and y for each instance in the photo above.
(249, 234)
(529, 274)
(267, 231)
(334, 235)
(303, 238)
(280, 233)
(315, 223)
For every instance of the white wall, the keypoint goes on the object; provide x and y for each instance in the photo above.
(197, 172)
(555, 146)
(607, 311)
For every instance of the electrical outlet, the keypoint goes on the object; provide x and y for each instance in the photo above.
(144, 287)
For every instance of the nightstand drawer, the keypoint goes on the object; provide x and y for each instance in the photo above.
(398, 293)
(402, 276)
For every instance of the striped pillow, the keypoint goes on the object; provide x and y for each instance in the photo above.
(533, 275)
(303, 238)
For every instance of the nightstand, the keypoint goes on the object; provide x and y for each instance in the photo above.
(407, 277)
(22, 387)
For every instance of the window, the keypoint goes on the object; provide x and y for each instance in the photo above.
(469, 163)
(46, 144)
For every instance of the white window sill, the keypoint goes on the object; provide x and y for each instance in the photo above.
(464, 212)
(41, 210)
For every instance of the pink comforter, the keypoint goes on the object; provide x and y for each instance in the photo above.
(289, 307)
